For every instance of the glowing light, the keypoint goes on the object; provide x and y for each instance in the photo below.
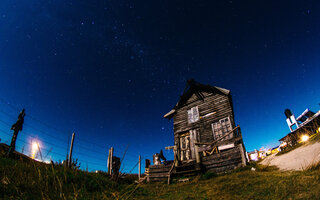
(47, 161)
(283, 144)
(254, 156)
(304, 138)
(34, 149)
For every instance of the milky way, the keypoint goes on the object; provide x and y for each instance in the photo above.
(109, 70)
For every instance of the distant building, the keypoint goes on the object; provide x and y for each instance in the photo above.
(306, 124)
(205, 135)
(258, 154)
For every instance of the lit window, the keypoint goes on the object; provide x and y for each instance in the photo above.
(193, 114)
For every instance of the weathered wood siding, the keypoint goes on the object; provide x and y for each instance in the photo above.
(224, 161)
(158, 172)
(218, 104)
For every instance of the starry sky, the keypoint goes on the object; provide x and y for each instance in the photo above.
(109, 70)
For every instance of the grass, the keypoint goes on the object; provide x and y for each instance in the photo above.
(32, 180)
(264, 183)
(313, 167)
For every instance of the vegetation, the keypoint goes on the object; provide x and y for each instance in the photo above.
(264, 183)
(33, 180)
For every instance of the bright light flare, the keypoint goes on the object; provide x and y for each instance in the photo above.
(283, 144)
(304, 138)
(34, 149)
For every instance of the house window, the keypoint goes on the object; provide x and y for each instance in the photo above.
(220, 128)
(193, 114)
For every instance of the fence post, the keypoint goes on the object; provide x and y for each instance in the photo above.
(16, 127)
(70, 152)
(139, 175)
(110, 160)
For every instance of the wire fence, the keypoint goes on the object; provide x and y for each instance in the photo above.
(54, 143)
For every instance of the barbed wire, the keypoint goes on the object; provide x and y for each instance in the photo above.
(56, 153)
(81, 142)
(44, 132)
(62, 148)
(53, 152)
(18, 139)
(30, 116)
(32, 136)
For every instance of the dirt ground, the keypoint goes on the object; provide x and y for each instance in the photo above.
(298, 159)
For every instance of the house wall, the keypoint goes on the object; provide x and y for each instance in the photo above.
(228, 159)
(217, 103)
(224, 161)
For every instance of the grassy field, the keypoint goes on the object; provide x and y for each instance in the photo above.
(264, 183)
(32, 180)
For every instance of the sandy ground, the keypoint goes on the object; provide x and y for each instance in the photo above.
(298, 159)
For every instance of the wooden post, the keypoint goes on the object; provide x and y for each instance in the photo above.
(111, 160)
(139, 175)
(108, 162)
(175, 154)
(243, 157)
(197, 153)
(70, 152)
(16, 127)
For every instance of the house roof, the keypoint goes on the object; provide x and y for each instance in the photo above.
(196, 88)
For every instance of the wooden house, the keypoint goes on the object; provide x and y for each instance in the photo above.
(206, 137)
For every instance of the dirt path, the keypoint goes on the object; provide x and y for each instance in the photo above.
(298, 159)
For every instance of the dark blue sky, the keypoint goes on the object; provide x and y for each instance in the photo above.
(110, 70)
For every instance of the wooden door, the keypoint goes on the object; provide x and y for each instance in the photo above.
(187, 150)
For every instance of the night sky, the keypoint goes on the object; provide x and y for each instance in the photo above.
(109, 70)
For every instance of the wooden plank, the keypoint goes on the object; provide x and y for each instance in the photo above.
(229, 152)
(222, 169)
(158, 175)
(159, 166)
(225, 162)
(226, 146)
(156, 170)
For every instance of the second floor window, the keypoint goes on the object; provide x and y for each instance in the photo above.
(193, 114)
